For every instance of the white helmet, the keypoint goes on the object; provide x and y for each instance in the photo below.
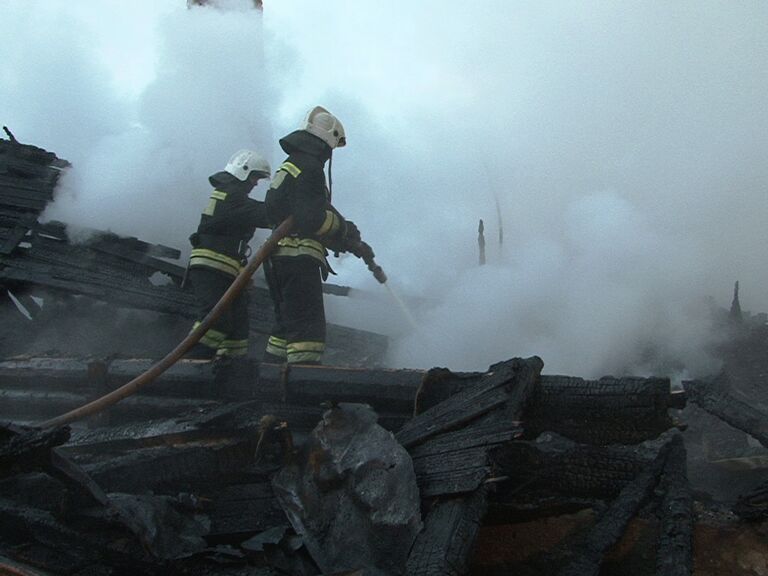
(325, 126)
(243, 162)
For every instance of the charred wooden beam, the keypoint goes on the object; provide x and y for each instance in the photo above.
(625, 410)
(674, 555)
(36, 406)
(211, 423)
(457, 462)
(163, 468)
(507, 383)
(605, 411)
(242, 509)
(588, 553)
(719, 403)
(25, 449)
(37, 537)
(552, 464)
(444, 546)
(384, 390)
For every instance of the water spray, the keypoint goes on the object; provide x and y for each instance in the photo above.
(365, 252)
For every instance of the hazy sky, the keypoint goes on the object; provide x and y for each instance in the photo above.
(625, 142)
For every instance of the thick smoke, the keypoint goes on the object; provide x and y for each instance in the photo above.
(140, 165)
(625, 144)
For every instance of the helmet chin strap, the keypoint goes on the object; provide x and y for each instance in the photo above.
(330, 177)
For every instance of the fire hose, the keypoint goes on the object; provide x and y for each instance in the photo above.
(360, 249)
(185, 345)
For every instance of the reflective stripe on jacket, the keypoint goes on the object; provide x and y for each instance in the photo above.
(309, 200)
(226, 225)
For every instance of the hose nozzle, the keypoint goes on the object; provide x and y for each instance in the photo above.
(364, 251)
(378, 272)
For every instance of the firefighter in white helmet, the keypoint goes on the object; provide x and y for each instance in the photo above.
(299, 264)
(220, 250)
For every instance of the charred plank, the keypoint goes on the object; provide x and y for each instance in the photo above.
(556, 465)
(717, 401)
(24, 449)
(457, 462)
(605, 411)
(444, 546)
(507, 383)
(37, 537)
(242, 509)
(674, 556)
(383, 390)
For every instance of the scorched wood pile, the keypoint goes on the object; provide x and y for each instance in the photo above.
(239, 487)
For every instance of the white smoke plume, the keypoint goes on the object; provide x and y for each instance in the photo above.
(624, 141)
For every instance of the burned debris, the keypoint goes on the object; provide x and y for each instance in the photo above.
(476, 462)
(343, 469)
(468, 454)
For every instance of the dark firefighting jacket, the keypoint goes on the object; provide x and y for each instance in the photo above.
(299, 189)
(226, 226)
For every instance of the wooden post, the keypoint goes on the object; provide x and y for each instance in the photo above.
(481, 241)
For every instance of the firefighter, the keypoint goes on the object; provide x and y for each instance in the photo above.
(220, 250)
(297, 267)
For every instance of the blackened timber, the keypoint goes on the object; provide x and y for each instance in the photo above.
(23, 449)
(211, 423)
(36, 536)
(173, 270)
(564, 395)
(42, 540)
(508, 382)
(131, 245)
(456, 462)
(729, 409)
(605, 411)
(244, 509)
(556, 465)
(674, 555)
(17, 234)
(166, 468)
(185, 378)
(36, 406)
(588, 553)
(383, 390)
(444, 546)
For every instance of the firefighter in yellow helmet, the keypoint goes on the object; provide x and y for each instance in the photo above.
(220, 250)
(298, 266)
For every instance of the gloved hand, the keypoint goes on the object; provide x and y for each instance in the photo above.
(363, 250)
(351, 233)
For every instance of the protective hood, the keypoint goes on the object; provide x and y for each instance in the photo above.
(228, 183)
(301, 141)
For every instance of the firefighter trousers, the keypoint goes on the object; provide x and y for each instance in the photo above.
(298, 334)
(228, 336)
